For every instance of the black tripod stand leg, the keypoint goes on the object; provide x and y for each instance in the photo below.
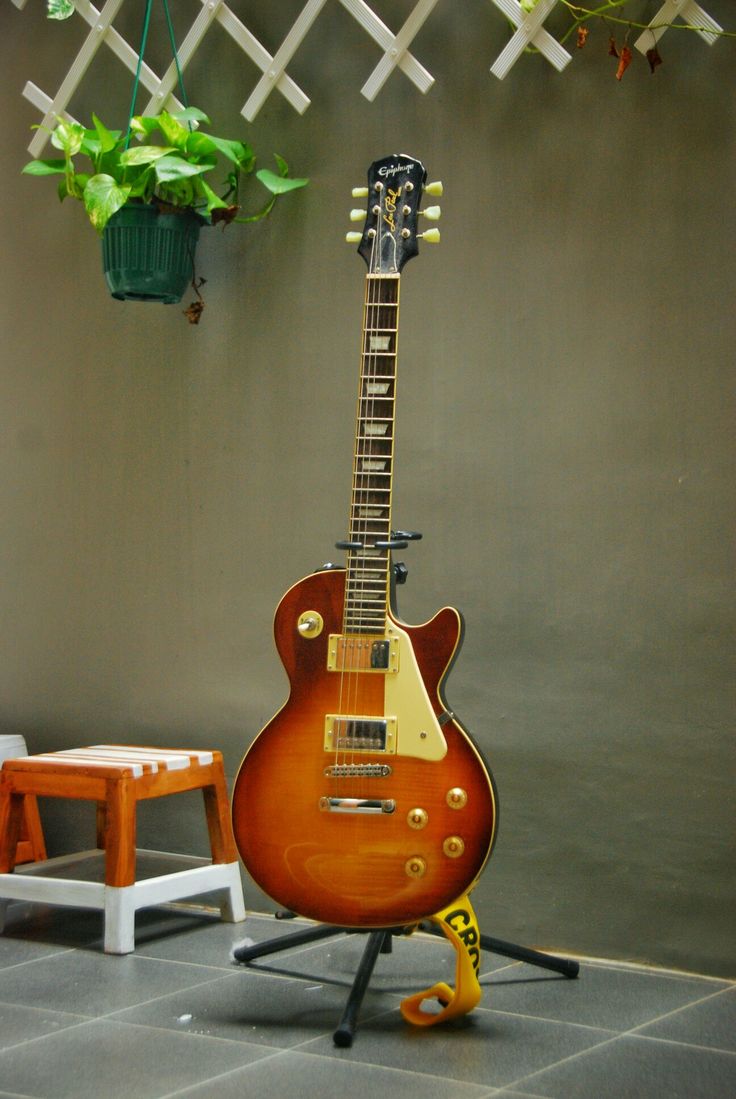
(566, 966)
(273, 946)
(345, 1032)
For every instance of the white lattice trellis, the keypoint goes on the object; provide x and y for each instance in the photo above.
(395, 49)
(529, 31)
(688, 10)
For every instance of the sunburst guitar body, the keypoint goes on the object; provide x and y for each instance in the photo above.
(364, 802)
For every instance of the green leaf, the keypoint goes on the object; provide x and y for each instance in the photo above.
(190, 114)
(44, 167)
(142, 185)
(102, 197)
(277, 185)
(174, 133)
(214, 202)
(200, 145)
(237, 151)
(68, 136)
(143, 125)
(108, 139)
(169, 168)
(59, 9)
(144, 154)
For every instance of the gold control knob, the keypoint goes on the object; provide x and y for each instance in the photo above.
(310, 624)
(453, 847)
(457, 798)
(417, 818)
(416, 867)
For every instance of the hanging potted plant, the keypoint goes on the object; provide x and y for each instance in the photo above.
(149, 200)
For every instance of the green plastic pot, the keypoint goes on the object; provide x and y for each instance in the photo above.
(148, 255)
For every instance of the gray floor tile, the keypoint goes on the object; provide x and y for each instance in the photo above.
(639, 1068)
(181, 1019)
(254, 1007)
(486, 1047)
(205, 942)
(612, 998)
(711, 1023)
(16, 951)
(132, 1061)
(95, 984)
(53, 926)
(301, 1076)
(19, 1024)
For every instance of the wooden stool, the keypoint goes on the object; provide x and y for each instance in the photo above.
(31, 846)
(117, 778)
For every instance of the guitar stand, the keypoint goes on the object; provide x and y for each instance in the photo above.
(379, 942)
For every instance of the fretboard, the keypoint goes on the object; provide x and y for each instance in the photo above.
(367, 581)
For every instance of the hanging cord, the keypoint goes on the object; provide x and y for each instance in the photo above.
(144, 39)
(176, 55)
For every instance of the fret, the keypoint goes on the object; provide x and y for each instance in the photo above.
(366, 587)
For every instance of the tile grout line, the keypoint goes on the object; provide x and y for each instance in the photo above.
(677, 1011)
(513, 1084)
(222, 1076)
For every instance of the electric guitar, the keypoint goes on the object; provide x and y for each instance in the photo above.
(364, 802)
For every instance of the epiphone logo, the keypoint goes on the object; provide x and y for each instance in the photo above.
(391, 169)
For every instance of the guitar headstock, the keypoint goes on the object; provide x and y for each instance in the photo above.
(394, 192)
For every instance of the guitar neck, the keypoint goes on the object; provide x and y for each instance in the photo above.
(368, 561)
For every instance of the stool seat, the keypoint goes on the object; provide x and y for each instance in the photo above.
(117, 777)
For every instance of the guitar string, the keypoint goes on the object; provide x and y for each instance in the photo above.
(367, 450)
(362, 500)
(344, 756)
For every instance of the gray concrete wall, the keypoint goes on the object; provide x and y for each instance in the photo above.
(564, 442)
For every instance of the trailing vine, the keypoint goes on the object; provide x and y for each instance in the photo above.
(611, 14)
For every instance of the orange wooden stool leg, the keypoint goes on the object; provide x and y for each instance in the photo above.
(11, 821)
(32, 846)
(219, 826)
(120, 832)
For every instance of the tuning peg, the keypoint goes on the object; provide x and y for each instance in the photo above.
(354, 238)
(357, 215)
(435, 189)
(432, 213)
(432, 236)
(359, 192)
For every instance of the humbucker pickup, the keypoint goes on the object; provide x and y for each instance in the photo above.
(362, 653)
(360, 734)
